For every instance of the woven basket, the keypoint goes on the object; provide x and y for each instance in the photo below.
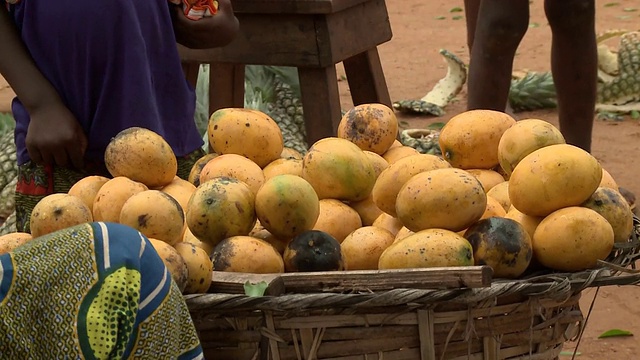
(528, 318)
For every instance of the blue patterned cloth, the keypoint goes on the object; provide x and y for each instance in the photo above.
(93, 291)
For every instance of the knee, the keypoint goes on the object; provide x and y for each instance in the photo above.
(570, 15)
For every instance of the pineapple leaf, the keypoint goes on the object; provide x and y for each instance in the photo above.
(288, 75)
(7, 123)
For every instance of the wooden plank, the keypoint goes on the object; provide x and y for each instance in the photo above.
(292, 6)
(366, 79)
(378, 280)
(233, 283)
(226, 86)
(278, 39)
(191, 71)
(355, 30)
(321, 101)
(362, 280)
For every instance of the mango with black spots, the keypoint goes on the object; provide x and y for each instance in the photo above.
(523, 138)
(427, 248)
(196, 169)
(390, 181)
(11, 241)
(291, 166)
(155, 214)
(56, 212)
(614, 207)
(287, 205)
(553, 177)
(338, 169)
(220, 208)
(367, 209)
(313, 250)
(87, 188)
(199, 267)
(501, 243)
(112, 195)
(362, 247)
(500, 192)
(173, 261)
(290, 153)
(572, 239)
(259, 232)
(141, 155)
(396, 153)
(448, 198)
(337, 219)
(246, 254)
(181, 190)
(247, 132)
(234, 166)
(470, 139)
(373, 127)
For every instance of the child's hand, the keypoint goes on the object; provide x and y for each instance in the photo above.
(55, 137)
(209, 32)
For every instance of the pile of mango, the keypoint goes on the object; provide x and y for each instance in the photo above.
(511, 195)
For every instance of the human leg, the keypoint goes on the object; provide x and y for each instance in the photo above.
(574, 66)
(500, 28)
(471, 8)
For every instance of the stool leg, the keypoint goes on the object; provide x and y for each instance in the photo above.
(191, 71)
(320, 101)
(226, 86)
(366, 78)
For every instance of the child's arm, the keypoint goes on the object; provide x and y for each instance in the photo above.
(54, 135)
(208, 32)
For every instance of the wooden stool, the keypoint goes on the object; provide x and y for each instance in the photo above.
(311, 35)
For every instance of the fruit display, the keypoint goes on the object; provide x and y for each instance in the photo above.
(506, 194)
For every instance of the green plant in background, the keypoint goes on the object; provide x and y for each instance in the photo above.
(8, 173)
(273, 90)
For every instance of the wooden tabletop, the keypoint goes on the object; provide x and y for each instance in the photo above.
(292, 6)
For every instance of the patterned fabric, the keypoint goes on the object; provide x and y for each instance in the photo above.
(197, 9)
(37, 181)
(93, 291)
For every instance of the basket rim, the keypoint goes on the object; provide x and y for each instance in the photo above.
(618, 269)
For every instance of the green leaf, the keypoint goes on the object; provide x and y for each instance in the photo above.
(615, 333)
(255, 290)
(569, 353)
(457, 17)
(628, 9)
(456, 9)
(635, 114)
(440, 17)
(534, 25)
(611, 4)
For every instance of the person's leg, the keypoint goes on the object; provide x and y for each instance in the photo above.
(471, 8)
(500, 28)
(574, 66)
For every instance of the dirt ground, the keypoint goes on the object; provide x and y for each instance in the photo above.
(412, 67)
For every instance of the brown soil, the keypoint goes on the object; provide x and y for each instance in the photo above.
(412, 66)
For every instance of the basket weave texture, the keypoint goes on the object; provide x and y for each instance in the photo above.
(528, 318)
